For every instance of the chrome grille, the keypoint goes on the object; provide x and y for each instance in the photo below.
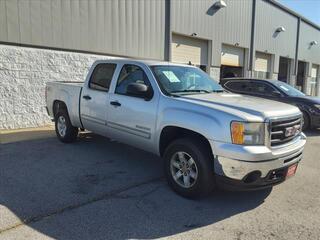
(281, 130)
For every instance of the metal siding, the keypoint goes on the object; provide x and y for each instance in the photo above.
(268, 19)
(75, 24)
(46, 21)
(108, 37)
(141, 22)
(56, 23)
(36, 28)
(229, 25)
(3, 21)
(128, 27)
(100, 25)
(84, 24)
(66, 24)
(92, 20)
(24, 21)
(13, 20)
(307, 35)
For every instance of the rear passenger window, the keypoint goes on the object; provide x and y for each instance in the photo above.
(239, 86)
(263, 88)
(102, 76)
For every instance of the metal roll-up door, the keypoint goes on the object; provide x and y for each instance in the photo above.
(262, 63)
(314, 80)
(232, 56)
(187, 49)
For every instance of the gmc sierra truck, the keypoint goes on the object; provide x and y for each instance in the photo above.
(206, 136)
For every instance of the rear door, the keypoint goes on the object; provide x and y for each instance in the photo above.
(94, 98)
(132, 119)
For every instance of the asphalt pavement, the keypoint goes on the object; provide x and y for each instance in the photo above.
(96, 188)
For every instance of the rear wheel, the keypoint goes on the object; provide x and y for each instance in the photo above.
(189, 168)
(64, 129)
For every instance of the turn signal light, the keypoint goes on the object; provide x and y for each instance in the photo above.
(237, 132)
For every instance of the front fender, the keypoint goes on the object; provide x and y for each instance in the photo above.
(211, 126)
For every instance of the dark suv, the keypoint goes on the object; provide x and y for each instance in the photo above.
(278, 91)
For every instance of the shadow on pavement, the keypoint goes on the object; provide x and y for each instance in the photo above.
(99, 189)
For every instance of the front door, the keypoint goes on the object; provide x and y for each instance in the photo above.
(132, 119)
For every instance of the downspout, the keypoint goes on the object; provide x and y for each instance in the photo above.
(297, 50)
(168, 36)
(252, 42)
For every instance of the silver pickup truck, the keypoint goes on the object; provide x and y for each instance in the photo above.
(206, 136)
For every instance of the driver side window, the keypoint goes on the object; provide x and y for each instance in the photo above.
(130, 74)
(262, 88)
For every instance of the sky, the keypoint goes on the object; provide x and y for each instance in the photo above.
(310, 9)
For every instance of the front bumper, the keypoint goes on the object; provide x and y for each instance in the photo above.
(235, 164)
(274, 177)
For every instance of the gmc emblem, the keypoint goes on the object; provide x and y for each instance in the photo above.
(292, 131)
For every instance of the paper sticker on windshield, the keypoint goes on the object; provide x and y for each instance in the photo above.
(171, 76)
(284, 88)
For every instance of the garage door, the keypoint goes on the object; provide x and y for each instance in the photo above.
(314, 71)
(262, 63)
(232, 56)
(187, 49)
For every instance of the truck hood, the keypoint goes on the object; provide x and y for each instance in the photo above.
(245, 106)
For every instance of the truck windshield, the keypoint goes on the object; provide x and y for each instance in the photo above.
(184, 80)
(289, 90)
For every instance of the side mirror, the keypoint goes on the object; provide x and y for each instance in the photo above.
(139, 90)
(276, 94)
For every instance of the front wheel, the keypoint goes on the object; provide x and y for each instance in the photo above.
(65, 131)
(306, 121)
(189, 168)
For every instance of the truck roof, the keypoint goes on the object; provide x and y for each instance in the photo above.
(249, 78)
(146, 62)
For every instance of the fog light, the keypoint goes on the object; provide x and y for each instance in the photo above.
(252, 177)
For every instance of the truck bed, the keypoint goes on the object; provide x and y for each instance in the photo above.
(79, 84)
(67, 92)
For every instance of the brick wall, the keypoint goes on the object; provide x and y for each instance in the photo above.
(23, 75)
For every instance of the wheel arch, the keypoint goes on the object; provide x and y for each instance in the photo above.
(59, 105)
(171, 133)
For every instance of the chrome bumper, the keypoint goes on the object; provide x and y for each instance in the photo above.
(236, 162)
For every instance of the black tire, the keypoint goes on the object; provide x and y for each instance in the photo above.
(205, 182)
(306, 121)
(71, 132)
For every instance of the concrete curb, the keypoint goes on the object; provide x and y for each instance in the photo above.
(26, 134)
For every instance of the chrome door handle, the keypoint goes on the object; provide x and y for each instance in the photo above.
(86, 97)
(115, 103)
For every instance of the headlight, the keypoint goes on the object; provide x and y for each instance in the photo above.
(317, 106)
(244, 133)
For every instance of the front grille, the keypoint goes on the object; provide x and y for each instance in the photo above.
(281, 130)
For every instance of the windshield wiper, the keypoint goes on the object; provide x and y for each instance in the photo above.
(191, 91)
(218, 91)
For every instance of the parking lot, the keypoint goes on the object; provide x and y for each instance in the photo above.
(100, 189)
